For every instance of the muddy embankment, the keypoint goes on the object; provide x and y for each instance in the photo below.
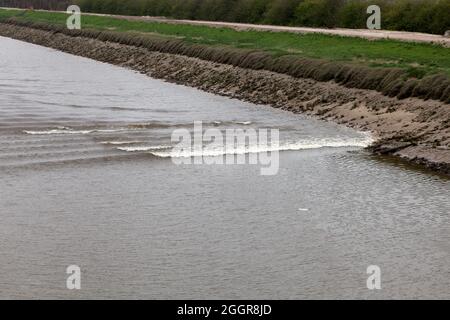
(411, 128)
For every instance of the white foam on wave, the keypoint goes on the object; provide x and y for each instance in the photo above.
(57, 131)
(71, 131)
(288, 146)
(143, 148)
(118, 143)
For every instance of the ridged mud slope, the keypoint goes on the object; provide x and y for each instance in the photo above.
(411, 128)
(393, 82)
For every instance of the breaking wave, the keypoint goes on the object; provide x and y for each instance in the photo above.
(148, 148)
(64, 130)
(118, 143)
(289, 146)
(127, 127)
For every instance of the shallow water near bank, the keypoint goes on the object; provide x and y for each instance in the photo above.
(84, 182)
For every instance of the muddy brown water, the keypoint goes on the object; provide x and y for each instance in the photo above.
(82, 183)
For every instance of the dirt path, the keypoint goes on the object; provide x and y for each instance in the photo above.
(360, 33)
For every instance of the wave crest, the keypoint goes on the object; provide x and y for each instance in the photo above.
(289, 146)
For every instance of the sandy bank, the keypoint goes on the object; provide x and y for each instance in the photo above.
(412, 128)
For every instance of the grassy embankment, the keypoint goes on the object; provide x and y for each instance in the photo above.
(392, 67)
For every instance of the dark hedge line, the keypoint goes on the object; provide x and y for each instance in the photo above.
(37, 4)
(390, 81)
(430, 16)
